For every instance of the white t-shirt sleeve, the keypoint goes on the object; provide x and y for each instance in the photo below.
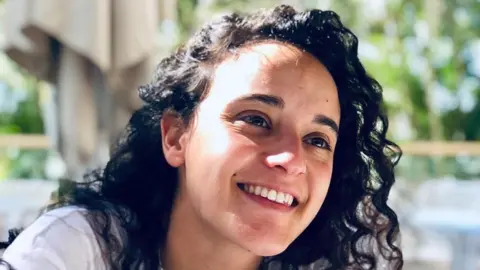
(61, 239)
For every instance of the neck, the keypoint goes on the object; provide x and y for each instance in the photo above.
(192, 244)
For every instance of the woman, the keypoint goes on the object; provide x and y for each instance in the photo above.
(261, 145)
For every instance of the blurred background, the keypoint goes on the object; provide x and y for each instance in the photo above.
(69, 72)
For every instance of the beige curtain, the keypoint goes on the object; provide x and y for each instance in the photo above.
(95, 53)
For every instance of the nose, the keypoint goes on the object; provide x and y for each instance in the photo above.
(289, 159)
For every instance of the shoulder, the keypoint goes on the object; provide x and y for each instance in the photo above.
(58, 239)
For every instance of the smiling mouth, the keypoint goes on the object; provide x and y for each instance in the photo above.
(272, 195)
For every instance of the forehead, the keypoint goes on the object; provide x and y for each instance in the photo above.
(275, 69)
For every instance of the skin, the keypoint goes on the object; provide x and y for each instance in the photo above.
(285, 142)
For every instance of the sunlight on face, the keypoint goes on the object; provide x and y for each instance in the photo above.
(259, 158)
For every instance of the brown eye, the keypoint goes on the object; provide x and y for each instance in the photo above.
(255, 120)
(319, 142)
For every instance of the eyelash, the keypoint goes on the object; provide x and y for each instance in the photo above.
(255, 117)
(325, 144)
(249, 119)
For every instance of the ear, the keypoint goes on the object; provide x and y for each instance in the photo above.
(173, 139)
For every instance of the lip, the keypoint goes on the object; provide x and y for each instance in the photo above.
(275, 187)
(264, 202)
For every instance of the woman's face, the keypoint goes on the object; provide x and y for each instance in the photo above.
(257, 161)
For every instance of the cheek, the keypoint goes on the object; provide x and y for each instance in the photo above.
(320, 183)
(318, 186)
(206, 145)
(210, 155)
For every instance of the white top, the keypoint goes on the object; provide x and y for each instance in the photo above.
(61, 239)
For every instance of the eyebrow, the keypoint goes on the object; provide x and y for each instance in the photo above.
(270, 100)
(279, 103)
(327, 121)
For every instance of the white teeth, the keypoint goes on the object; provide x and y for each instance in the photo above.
(280, 197)
(271, 194)
(264, 192)
(289, 199)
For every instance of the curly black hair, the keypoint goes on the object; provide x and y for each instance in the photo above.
(354, 229)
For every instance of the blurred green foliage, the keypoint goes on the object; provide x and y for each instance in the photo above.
(20, 113)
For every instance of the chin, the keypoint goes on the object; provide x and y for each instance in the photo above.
(266, 250)
(263, 238)
(265, 247)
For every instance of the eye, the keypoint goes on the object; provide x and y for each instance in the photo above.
(255, 120)
(319, 142)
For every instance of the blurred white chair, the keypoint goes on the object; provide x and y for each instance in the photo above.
(449, 193)
(450, 209)
(21, 202)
